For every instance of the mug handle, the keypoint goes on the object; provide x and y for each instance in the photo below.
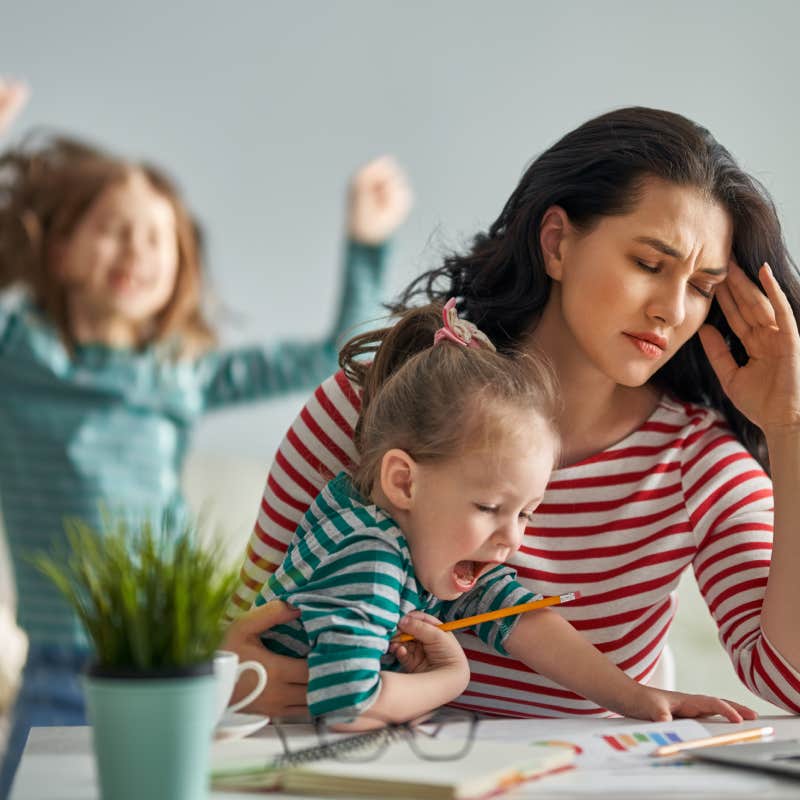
(259, 687)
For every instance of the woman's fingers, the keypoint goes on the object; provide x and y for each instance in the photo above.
(260, 618)
(754, 306)
(784, 316)
(718, 354)
(730, 308)
(285, 693)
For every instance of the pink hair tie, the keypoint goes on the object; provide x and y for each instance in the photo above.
(460, 331)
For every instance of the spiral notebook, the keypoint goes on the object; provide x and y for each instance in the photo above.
(488, 768)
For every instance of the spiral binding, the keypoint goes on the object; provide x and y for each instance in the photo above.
(340, 747)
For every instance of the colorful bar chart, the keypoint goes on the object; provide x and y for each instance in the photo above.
(625, 742)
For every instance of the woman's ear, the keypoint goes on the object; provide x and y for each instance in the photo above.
(552, 234)
(398, 472)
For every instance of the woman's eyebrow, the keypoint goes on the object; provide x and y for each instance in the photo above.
(669, 250)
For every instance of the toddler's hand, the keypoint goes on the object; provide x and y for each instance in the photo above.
(12, 98)
(432, 647)
(660, 705)
(380, 199)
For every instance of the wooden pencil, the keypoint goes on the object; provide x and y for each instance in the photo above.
(714, 741)
(477, 619)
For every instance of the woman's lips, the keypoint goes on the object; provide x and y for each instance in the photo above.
(649, 346)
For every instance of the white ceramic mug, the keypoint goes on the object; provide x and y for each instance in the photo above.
(227, 670)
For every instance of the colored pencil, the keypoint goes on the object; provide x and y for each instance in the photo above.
(712, 741)
(468, 622)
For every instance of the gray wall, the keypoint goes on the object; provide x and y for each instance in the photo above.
(262, 110)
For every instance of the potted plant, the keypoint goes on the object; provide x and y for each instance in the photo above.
(151, 600)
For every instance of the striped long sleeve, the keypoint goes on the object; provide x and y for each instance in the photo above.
(621, 526)
(349, 609)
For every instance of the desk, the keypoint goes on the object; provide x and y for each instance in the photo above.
(58, 765)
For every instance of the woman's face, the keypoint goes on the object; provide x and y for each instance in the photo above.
(631, 291)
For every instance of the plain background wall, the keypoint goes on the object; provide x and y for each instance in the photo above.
(261, 110)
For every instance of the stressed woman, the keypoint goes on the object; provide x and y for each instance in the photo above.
(650, 270)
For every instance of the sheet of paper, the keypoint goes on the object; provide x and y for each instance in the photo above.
(617, 757)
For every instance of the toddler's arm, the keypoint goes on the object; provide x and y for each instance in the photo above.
(547, 643)
(439, 675)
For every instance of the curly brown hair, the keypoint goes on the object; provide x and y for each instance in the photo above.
(46, 188)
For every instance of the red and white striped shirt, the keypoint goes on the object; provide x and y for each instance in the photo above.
(620, 526)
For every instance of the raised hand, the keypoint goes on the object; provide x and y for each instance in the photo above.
(379, 202)
(767, 388)
(660, 705)
(13, 96)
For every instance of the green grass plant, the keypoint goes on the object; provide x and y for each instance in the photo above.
(150, 598)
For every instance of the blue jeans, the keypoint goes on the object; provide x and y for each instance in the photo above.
(50, 694)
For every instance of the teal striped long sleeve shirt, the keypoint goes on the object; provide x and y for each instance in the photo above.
(103, 427)
(349, 571)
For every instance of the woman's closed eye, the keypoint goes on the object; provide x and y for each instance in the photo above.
(704, 289)
(487, 508)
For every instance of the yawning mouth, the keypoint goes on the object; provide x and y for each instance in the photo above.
(466, 573)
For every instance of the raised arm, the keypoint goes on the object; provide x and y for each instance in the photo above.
(379, 201)
(753, 591)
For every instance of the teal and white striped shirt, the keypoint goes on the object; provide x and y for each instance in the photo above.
(110, 427)
(348, 569)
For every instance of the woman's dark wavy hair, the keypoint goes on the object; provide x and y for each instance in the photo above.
(597, 170)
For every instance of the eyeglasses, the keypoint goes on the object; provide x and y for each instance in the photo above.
(443, 735)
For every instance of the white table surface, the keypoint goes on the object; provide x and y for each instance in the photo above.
(58, 765)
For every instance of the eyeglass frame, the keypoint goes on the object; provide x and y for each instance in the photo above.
(387, 733)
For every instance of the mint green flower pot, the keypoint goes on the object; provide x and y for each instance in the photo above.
(152, 733)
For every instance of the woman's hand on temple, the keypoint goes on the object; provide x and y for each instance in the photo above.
(767, 388)
(13, 96)
(285, 693)
(380, 199)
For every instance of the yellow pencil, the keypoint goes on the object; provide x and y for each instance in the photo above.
(468, 622)
(712, 741)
